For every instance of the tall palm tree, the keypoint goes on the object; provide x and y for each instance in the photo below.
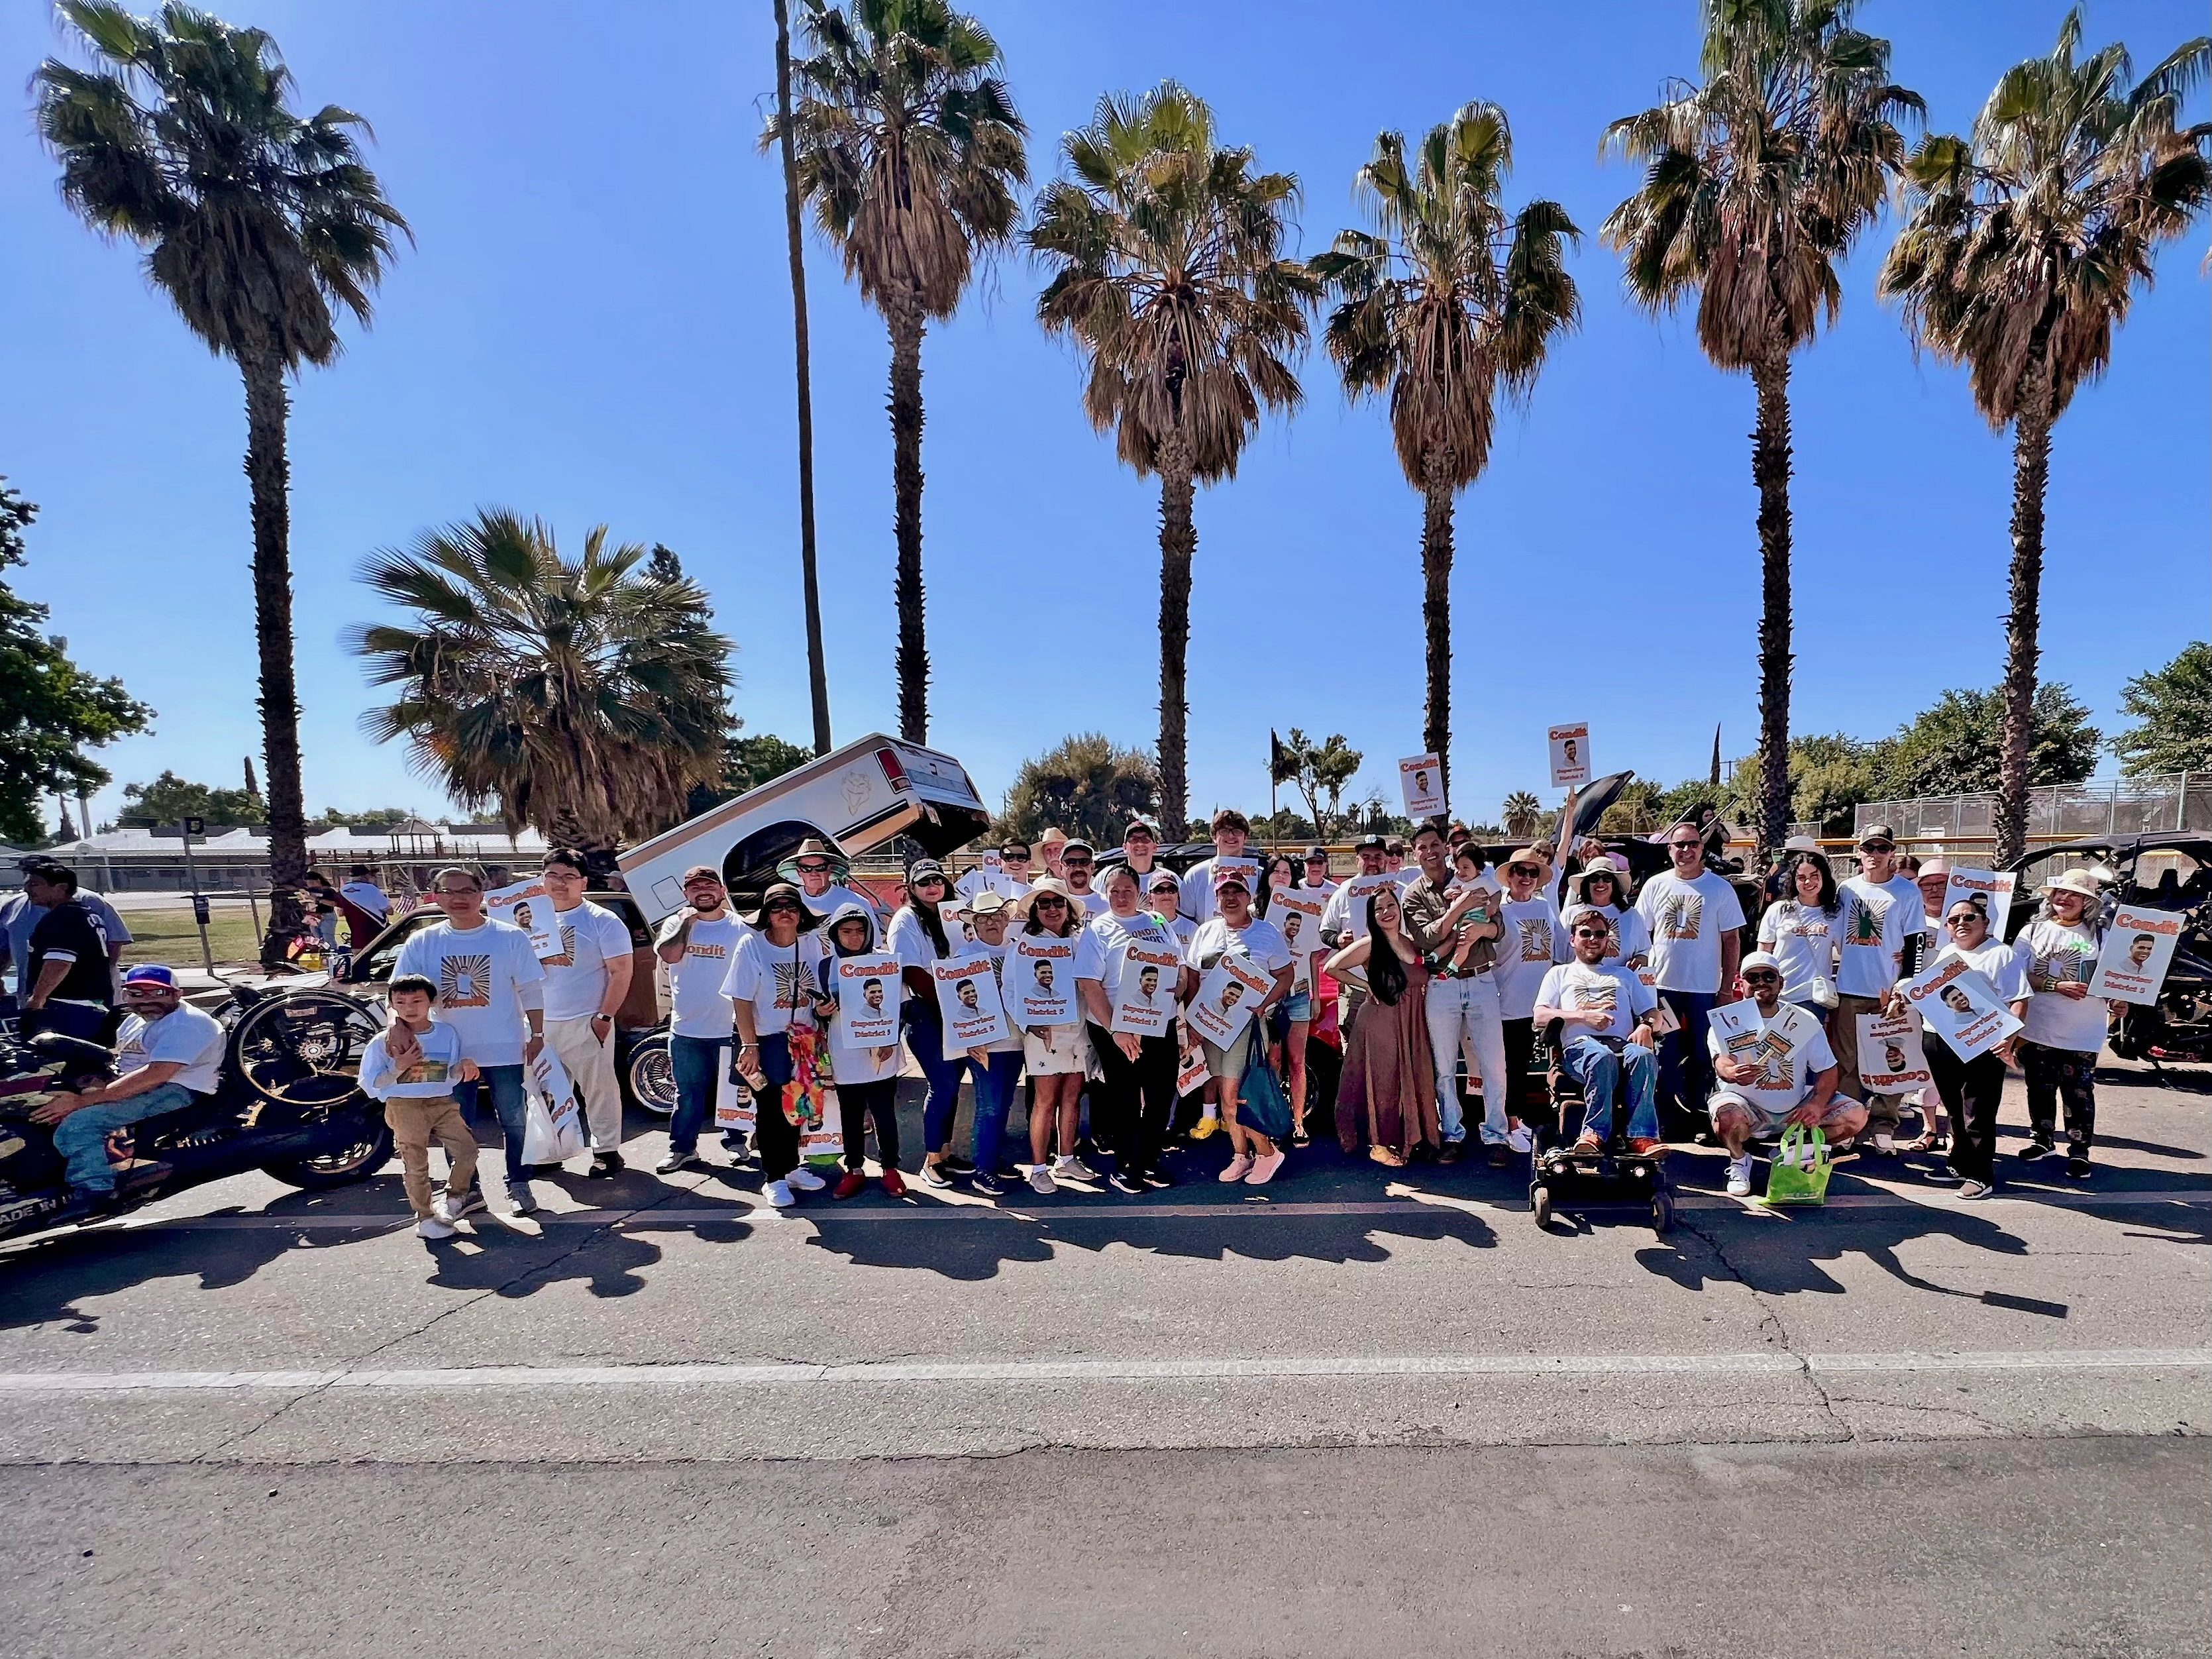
(1165, 249)
(258, 223)
(586, 697)
(1757, 180)
(818, 673)
(1449, 305)
(910, 148)
(2026, 243)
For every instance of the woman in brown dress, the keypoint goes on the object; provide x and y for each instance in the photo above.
(1388, 1095)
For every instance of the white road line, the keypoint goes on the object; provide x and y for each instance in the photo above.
(1020, 1371)
(647, 1219)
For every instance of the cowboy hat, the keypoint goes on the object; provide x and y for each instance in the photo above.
(814, 847)
(988, 901)
(808, 921)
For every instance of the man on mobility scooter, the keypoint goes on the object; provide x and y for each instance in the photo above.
(1614, 1043)
(1784, 1072)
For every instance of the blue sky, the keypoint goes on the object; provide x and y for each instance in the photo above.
(595, 327)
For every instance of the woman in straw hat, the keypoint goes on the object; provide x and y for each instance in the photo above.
(1059, 1055)
(2065, 1025)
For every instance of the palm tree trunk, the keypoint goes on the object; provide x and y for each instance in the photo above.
(817, 675)
(267, 474)
(1436, 616)
(1770, 471)
(903, 314)
(1178, 546)
(2031, 467)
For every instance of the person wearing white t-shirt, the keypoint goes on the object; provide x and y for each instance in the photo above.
(1136, 1093)
(1607, 1042)
(1801, 929)
(1534, 939)
(1079, 872)
(997, 1067)
(867, 1076)
(1011, 878)
(586, 980)
(167, 1055)
(1231, 829)
(696, 942)
(491, 990)
(1163, 898)
(2064, 1025)
(1882, 919)
(771, 988)
(411, 1066)
(1762, 1091)
(360, 888)
(1691, 914)
(1972, 1089)
(1316, 882)
(922, 935)
(818, 871)
(1603, 887)
(1344, 921)
(1234, 931)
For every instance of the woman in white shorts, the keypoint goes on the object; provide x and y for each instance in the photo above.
(1058, 1056)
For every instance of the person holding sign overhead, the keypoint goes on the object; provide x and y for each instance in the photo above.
(1971, 1089)
(1041, 999)
(1120, 961)
(861, 1012)
(1235, 937)
(2065, 1025)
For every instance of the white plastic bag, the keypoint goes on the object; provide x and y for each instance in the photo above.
(555, 1125)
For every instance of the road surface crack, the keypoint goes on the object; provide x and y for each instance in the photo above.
(1771, 1326)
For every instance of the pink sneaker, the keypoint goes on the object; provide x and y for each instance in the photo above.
(1263, 1170)
(1239, 1167)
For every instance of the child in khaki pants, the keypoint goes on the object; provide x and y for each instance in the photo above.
(412, 1067)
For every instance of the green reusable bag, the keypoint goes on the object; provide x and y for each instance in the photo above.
(1799, 1173)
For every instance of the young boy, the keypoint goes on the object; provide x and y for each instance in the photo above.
(411, 1066)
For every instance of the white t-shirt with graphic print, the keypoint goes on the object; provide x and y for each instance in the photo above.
(479, 972)
(1877, 920)
(1687, 920)
(587, 937)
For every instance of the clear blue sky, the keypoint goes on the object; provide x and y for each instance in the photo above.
(595, 327)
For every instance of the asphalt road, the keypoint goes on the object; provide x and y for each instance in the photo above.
(1359, 1410)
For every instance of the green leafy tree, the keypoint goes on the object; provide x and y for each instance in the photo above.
(1957, 747)
(376, 818)
(1316, 770)
(748, 761)
(1757, 180)
(1083, 785)
(51, 710)
(259, 224)
(1166, 253)
(1448, 305)
(909, 149)
(2027, 244)
(2172, 708)
(586, 697)
(170, 798)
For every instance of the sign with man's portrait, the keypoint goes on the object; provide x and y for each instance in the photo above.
(1570, 756)
(1959, 1004)
(2138, 949)
(1421, 779)
(868, 993)
(1144, 1002)
(1040, 983)
(968, 998)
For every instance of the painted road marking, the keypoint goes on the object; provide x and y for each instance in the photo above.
(784, 1374)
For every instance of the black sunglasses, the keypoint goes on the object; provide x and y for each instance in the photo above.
(1685, 846)
(1762, 976)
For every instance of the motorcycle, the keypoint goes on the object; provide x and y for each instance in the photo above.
(289, 1102)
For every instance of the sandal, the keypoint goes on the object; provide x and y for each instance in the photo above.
(1930, 1141)
(1389, 1156)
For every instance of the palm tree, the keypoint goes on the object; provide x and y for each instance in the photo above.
(1165, 249)
(909, 146)
(1523, 813)
(258, 223)
(1757, 181)
(818, 673)
(2024, 247)
(1449, 305)
(586, 698)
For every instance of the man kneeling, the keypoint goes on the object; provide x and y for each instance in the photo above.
(1787, 1076)
(1606, 1009)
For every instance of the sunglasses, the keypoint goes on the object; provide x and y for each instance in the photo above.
(811, 869)
(1962, 918)
(1589, 932)
(1878, 846)
(1530, 870)
(1079, 862)
(784, 905)
(1052, 902)
(1762, 977)
(927, 881)
(1685, 846)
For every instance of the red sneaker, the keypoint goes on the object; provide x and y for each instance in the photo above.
(1590, 1143)
(895, 1183)
(1644, 1147)
(849, 1183)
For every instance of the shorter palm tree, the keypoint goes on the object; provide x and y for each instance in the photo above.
(1523, 814)
(2027, 244)
(586, 698)
(1450, 303)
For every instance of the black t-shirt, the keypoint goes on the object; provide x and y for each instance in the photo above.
(67, 929)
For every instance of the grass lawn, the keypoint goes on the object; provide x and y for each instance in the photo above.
(170, 936)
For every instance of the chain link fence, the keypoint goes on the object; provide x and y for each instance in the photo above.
(2069, 812)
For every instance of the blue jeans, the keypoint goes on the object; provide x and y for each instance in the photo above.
(925, 1039)
(1686, 1068)
(508, 1104)
(698, 1064)
(1598, 1069)
(81, 1137)
(994, 1099)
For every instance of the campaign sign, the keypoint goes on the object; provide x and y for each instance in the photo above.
(968, 998)
(1040, 983)
(1570, 755)
(1227, 994)
(1993, 887)
(1422, 781)
(1742, 1039)
(1891, 1060)
(1959, 1004)
(2138, 949)
(992, 861)
(868, 994)
(527, 905)
(1356, 893)
(1298, 913)
(1144, 1002)
(1191, 1073)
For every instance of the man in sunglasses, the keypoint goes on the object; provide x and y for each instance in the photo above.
(1789, 1079)
(1011, 877)
(1607, 1042)
(1079, 862)
(819, 871)
(1694, 918)
(1883, 914)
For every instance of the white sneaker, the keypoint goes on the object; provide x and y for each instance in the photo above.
(1519, 1140)
(804, 1180)
(1040, 1179)
(430, 1227)
(520, 1198)
(1073, 1168)
(1239, 1167)
(1885, 1143)
(450, 1208)
(779, 1193)
(1739, 1181)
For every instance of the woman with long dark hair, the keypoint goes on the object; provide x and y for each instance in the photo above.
(1388, 1092)
(919, 938)
(867, 1078)
(1801, 930)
